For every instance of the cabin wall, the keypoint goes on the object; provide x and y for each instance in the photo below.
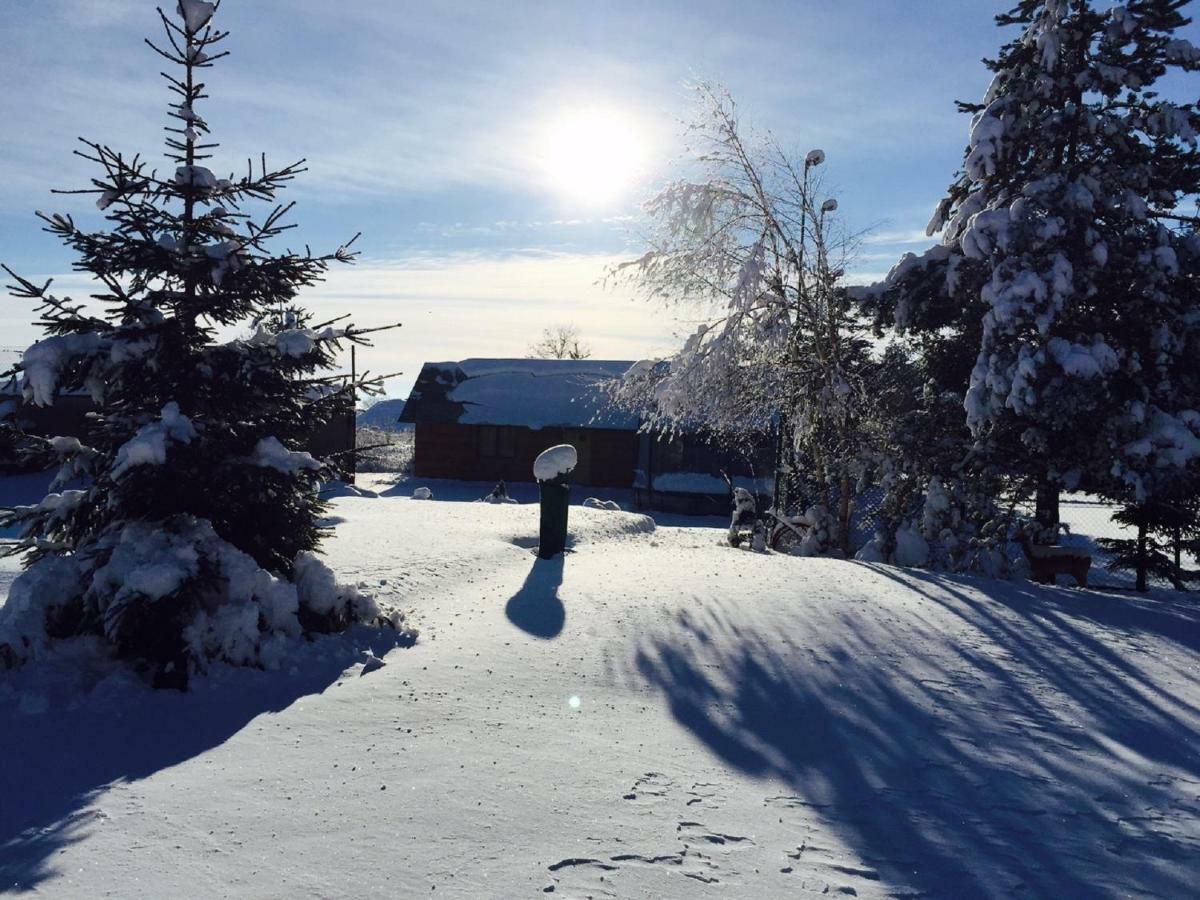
(607, 457)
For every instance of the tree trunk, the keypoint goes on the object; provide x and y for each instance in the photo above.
(1046, 510)
(844, 515)
(1142, 562)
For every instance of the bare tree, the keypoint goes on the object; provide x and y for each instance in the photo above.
(561, 342)
(749, 242)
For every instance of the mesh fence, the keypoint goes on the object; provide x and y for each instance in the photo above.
(1087, 520)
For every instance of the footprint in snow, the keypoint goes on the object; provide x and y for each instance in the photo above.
(650, 788)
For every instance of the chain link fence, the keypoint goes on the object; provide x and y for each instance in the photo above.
(1086, 519)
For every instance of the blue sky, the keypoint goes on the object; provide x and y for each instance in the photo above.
(426, 127)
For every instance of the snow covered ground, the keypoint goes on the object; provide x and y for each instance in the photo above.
(653, 715)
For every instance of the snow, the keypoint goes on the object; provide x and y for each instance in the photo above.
(317, 589)
(894, 733)
(1175, 440)
(43, 362)
(64, 446)
(704, 483)
(552, 462)
(272, 454)
(196, 14)
(295, 342)
(570, 393)
(148, 447)
(422, 493)
(595, 503)
(985, 141)
(911, 547)
(196, 177)
(1083, 361)
(702, 723)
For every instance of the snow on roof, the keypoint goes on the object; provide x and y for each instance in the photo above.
(533, 393)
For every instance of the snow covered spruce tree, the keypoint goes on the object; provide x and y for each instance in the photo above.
(748, 241)
(1064, 264)
(189, 531)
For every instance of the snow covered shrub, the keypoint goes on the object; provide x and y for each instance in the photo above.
(821, 533)
(191, 538)
(744, 516)
(952, 525)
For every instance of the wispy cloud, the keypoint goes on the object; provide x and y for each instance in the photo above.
(456, 306)
(901, 237)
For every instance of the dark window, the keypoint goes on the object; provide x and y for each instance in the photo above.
(506, 445)
(496, 442)
(674, 455)
(487, 441)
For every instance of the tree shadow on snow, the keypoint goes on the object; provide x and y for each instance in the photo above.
(55, 766)
(986, 739)
(536, 608)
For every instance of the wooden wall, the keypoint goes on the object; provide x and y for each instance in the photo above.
(465, 452)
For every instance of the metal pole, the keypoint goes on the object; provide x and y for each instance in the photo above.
(352, 420)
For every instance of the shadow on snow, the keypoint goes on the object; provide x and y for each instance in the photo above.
(536, 608)
(55, 766)
(1013, 750)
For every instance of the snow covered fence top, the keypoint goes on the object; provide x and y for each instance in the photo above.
(533, 393)
(555, 461)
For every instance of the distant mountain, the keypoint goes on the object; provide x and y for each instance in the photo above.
(384, 414)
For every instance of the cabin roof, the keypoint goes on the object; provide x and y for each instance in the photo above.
(532, 393)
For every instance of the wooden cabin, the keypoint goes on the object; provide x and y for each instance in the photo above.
(488, 419)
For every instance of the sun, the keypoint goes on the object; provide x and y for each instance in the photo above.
(592, 157)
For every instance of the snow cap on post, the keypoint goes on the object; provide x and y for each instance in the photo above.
(555, 461)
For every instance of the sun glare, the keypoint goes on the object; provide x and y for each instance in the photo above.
(592, 157)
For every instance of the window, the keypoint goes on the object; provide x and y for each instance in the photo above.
(497, 443)
(487, 441)
(506, 443)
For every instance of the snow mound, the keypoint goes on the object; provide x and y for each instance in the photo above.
(596, 524)
(518, 524)
(422, 493)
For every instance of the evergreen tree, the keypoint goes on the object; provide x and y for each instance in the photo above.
(1167, 528)
(1063, 266)
(191, 535)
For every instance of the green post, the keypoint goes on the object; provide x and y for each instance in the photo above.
(551, 469)
(556, 498)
